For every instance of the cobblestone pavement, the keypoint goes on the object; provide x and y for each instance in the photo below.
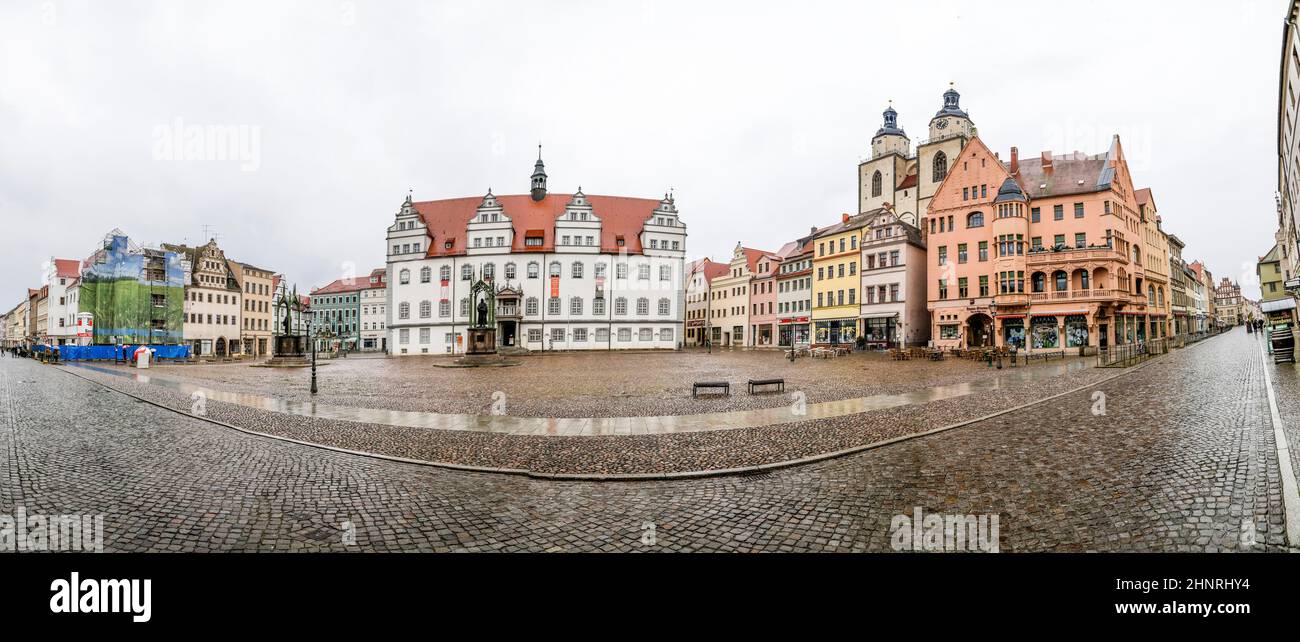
(1182, 459)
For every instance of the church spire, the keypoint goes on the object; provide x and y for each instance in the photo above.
(539, 177)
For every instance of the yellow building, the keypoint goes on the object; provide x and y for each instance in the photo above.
(1155, 253)
(836, 283)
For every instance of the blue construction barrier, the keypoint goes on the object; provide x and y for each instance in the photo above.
(115, 353)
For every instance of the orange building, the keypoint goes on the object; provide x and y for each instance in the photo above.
(1042, 253)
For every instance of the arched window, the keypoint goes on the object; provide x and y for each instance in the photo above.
(642, 306)
(876, 184)
(426, 274)
(1039, 282)
(466, 272)
(444, 308)
(404, 310)
(444, 273)
(530, 306)
(426, 309)
(620, 306)
(940, 167)
(404, 276)
(575, 305)
(1151, 295)
(510, 271)
(554, 269)
(489, 271)
(1084, 280)
(1160, 297)
(533, 270)
(1062, 281)
(975, 219)
(577, 269)
(664, 307)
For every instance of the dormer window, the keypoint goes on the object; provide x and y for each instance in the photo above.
(447, 245)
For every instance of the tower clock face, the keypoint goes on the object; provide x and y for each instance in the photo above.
(942, 124)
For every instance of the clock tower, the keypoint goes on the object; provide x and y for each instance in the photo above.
(951, 120)
(950, 130)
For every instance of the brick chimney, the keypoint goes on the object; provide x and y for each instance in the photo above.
(1015, 161)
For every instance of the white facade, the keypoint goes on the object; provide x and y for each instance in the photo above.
(374, 314)
(607, 297)
(893, 296)
(61, 314)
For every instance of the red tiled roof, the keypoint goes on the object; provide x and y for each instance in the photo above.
(377, 273)
(67, 268)
(343, 285)
(620, 216)
(713, 270)
(752, 256)
(910, 181)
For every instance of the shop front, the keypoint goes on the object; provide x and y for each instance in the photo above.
(792, 331)
(835, 332)
(881, 331)
(1044, 333)
(1013, 331)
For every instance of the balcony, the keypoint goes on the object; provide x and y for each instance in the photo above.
(1100, 294)
(1070, 255)
(508, 311)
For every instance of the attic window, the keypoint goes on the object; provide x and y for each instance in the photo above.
(618, 240)
(449, 243)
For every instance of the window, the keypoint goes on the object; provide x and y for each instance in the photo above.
(510, 271)
(645, 334)
(943, 255)
(620, 306)
(961, 253)
(1058, 212)
(984, 250)
(404, 276)
(962, 292)
(424, 336)
(464, 307)
(553, 305)
(489, 271)
(984, 285)
(1080, 240)
(943, 288)
(598, 307)
(530, 306)
(940, 167)
(665, 334)
(426, 309)
(576, 269)
(643, 272)
(404, 336)
(1034, 214)
(444, 308)
(575, 306)
(554, 268)
(1078, 210)
(876, 184)
(426, 274)
(664, 307)
(444, 273)
(403, 310)
(1061, 280)
(642, 306)
(620, 271)
(665, 273)
(533, 270)
(557, 334)
(625, 334)
(580, 335)
(466, 272)
(534, 335)
(975, 219)
(1058, 240)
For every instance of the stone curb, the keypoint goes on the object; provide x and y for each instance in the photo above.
(596, 477)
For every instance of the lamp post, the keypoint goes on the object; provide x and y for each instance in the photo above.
(313, 365)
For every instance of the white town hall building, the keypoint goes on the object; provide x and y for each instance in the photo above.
(571, 271)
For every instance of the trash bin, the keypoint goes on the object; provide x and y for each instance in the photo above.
(142, 357)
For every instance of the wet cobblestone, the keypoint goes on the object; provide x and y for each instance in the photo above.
(1180, 461)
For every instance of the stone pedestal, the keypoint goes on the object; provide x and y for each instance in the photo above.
(481, 341)
(290, 352)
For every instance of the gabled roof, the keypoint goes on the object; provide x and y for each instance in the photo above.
(714, 269)
(1144, 197)
(343, 285)
(67, 268)
(620, 217)
(910, 181)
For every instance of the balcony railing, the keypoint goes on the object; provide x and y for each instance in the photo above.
(1075, 254)
(508, 311)
(1011, 299)
(1099, 294)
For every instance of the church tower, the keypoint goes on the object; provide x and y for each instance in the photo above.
(950, 130)
(890, 137)
(539, 177)
(887, 176)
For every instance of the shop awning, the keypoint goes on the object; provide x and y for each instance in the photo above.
(1277, 305)
(881, 315)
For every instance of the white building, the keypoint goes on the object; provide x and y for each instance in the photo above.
(572, 272)
(893, 296)
(374, 312)
(61, 314)
(211, 320)
(794, 295)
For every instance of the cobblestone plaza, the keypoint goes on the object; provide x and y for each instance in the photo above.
(1197, 471)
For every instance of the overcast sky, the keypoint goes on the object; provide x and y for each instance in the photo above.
(755, 113)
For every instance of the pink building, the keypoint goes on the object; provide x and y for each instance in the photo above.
(762, 302)
(1042, 253)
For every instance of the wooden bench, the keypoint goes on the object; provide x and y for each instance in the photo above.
(755, 383)
(702, 385)
(1043, 355)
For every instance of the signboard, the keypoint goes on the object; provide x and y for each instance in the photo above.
(600, 287)
(555, 287)
(788, 320)
(1292, 284)
(445, 295)
(695, 323)
(85, 325)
